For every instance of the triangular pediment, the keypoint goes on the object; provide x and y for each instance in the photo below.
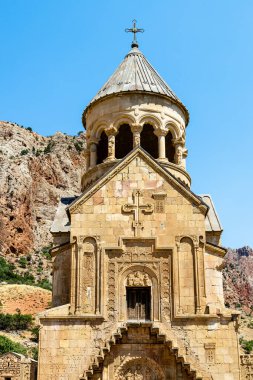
(154, 165)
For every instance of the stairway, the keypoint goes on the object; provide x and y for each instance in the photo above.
(188, 362)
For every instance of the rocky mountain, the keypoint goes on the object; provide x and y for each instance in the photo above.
(238, 279)
(35, 171)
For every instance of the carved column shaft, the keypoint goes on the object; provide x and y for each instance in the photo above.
(78, 277)
(161, 133)
(161, 147)
(73, 278)
(111, 132)
(93, 154)
(197, 280)
(136, 130)
(87, 159)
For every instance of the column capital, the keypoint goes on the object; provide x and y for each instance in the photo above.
(136, 128)
(93, 140)
(179, 141)
(160, 132)
(111, 131)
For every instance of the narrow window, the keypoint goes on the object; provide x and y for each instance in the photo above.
(102, 149)
(149, 140)
(123, 141)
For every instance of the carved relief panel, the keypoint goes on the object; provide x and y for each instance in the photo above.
(139, 264)
(189, 284)
(88, 278)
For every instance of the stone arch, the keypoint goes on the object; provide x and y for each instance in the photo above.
(151, 280)
(152, 120)
(174, 129)
(99, 127)
(149, 140)
(123, 119)
(139, 368)
(123, 141)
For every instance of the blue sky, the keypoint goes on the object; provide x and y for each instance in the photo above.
(56, 54)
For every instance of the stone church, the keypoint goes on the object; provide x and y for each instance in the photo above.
(137, 281)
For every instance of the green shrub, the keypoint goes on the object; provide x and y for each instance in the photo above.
(78, 146)
(7, 345)
(45, 284)
(29, 129)
(8, 275)
(35, 353)
(23, 262)
(24, 152)
(247, 345)
(16, 321)
(35, 333)
(49, 147)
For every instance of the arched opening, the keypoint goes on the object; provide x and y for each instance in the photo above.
(149, 140)
(123, 141)
(138, 294)
(102, 148)
(170, 149)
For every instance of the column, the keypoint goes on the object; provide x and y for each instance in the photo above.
(78, 279)
(93, 154)
(87, 159)
(136, 130)
(197, 279)
(111, 133)
(161, 133)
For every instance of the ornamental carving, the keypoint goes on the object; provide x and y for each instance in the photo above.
(139, 369)
(138, 279)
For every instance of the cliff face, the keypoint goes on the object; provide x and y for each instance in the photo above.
(35, 171)
(238, 279)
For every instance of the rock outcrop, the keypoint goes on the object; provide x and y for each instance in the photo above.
(35, 171)
(238, 279)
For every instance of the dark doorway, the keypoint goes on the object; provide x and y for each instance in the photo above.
(138, 303)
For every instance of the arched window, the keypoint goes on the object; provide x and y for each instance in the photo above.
(102, 149)
(149, 140)
(123, 141)
(170, 149)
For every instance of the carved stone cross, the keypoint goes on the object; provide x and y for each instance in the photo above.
(136, 208)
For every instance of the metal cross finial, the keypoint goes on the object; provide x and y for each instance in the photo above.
(134, 30)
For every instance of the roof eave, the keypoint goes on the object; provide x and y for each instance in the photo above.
(102, 98)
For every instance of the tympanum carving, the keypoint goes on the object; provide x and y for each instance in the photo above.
(138, 279)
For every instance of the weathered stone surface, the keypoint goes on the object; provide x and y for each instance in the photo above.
(34, 173)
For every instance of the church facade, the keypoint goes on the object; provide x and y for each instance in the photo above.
(137, 281)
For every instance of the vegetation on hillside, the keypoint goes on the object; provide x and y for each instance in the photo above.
(10, 276)
(7, 345)
(15, 322)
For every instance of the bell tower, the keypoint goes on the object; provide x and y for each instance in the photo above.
(135, 108)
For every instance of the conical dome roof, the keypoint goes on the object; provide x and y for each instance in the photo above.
(135, 73)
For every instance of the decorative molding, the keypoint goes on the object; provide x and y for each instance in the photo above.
(137, 152)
